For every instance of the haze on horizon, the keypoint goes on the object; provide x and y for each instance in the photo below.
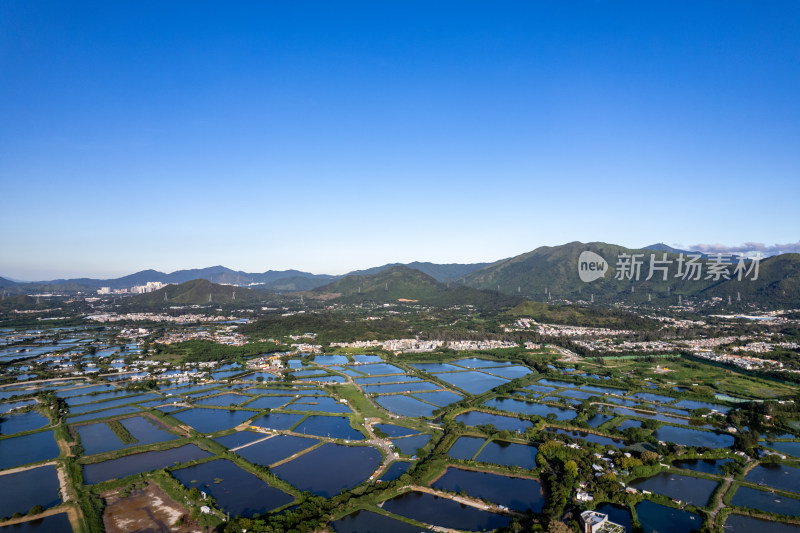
(332, 137)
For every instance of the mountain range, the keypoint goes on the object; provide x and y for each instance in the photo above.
(544, 274)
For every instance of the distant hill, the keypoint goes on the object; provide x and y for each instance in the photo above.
(554, 271)
(400, 283)
(439, 272)
(293, 284)
(196, 292)
(7, 283)
(661, 247)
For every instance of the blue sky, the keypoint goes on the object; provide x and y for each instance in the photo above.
(332, 136)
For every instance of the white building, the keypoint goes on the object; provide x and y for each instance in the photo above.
(594, 522)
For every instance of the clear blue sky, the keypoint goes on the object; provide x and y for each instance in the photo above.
(331, 136)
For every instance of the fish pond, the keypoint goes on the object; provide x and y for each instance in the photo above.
(479, 418)
(275, 449)
(23, 490)
(737, 523)
(334, 427)
(17, 423)
(26, 449)
(367, 522)
(443, 512)
(656, 518)
(471, 381)
(530, 408)
(139, 463)
(330, 468)
(685, 488)
(236, 491)
(212, 420)
(405, 405)
(693, 437)
(519, 494)
(508, 454)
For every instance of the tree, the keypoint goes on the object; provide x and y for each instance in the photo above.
(556, 526)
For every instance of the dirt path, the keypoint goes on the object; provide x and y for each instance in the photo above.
(718, 504)
(465, 500)
(72, 514)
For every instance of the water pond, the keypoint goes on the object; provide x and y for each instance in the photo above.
(377, 369)
(236, 491)
(401, 387)
(362, 358)
(277, 420)
(269, 402)
(275, 449)
(577, 394)
(693, 437)
(766, 501)
(395, 470)
(240, 438)
(508, 454)
(324, 404)
(330, 359)
(395, 431)
(479, 418)
(443, 512)
(368, 522)
(602, 390)
(472, 381)
(685, 488)
(17, 423)
(223, 400)
(436, 367)
(117, 411)
(707, 466)
(335, 427)
(330, 468)
(98, 438)
(385, 379)
(540, 388)
(139, 463)
(57, 523)
(8, 406)
(617, 514)
(23, 490)
(650, 397)
(465, 447)
(598, 420)
(694, 404)
(26, 449)
(737, 523)
(776, 476)
(405, 405)
(510, 372)
(787, 448)
(555, 383)
(519, 494)
(79, 400)
(474, 362)
(409, 445)
(532, 408)
(656, 518)
(87, 407)
(212, 420)
(440, 398)
(590, 437)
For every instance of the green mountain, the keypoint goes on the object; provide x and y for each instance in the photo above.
(439, 272)
(196, 292)
(551, 273)
(399, 283)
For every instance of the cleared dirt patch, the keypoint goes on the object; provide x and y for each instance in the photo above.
(148, 509)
